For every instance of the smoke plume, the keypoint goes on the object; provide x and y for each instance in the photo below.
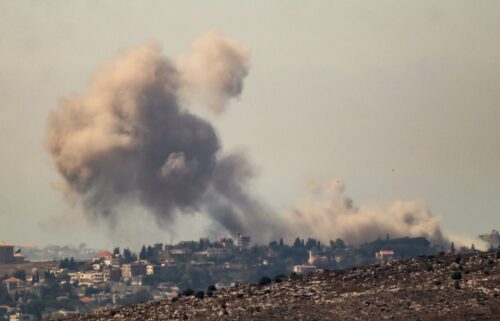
(215, 70)
(328, 213)
(127, 139)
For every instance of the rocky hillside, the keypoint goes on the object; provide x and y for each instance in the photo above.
(441, 288)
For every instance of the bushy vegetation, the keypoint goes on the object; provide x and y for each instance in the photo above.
(457, 275)
(265, 280)
(188, 292)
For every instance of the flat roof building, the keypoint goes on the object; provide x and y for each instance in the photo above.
(243, 242)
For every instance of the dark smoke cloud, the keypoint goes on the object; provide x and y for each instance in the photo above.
(127, 139)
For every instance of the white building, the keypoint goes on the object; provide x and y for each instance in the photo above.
(384, 255)
(304, 268)
(88, 278)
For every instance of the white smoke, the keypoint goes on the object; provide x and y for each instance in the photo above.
(329, 215)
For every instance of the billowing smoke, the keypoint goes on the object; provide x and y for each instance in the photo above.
(328, 214)
(127, 139)
(215, 70)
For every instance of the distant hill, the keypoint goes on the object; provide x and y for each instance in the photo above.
(446, 287)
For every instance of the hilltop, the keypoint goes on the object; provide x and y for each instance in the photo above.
(445, 287)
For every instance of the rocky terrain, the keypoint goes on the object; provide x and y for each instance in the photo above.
(446, 287)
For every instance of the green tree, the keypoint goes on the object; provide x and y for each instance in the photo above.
(20, 274)
(143, 254)
(128, 256)
(34, 307)
(340, 244)
(150, 253)
(5, 298)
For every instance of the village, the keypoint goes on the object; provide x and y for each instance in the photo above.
(45, 290)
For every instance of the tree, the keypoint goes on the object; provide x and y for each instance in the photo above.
(150, 253)
(265, 280)
(311, 243)
(116, 251)
(143, 255)
(63, 264)
(20, 274)
(188, 292)
(5, 298)
(128, 256)
(457, 275)
(281, 242)
(340, 244)
(452, 248)
(72, 264)
(34, 307)
(296, 243)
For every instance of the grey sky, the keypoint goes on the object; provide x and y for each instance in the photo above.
(348, 89)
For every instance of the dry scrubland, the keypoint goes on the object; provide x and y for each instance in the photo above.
(446, 287)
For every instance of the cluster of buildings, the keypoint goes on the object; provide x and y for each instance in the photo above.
(108, 267)
(318, 260)
(111, 279)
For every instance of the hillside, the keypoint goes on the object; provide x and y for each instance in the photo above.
(441, 288)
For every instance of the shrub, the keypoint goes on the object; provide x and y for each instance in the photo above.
(265, 280)
(200, 295)
(188, 292)
(211, 288)
(457, 275)
(279, 278)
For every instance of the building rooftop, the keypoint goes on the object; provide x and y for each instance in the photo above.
(11, 280)
(103, 254)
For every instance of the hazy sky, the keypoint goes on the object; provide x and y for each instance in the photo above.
(337, 89)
